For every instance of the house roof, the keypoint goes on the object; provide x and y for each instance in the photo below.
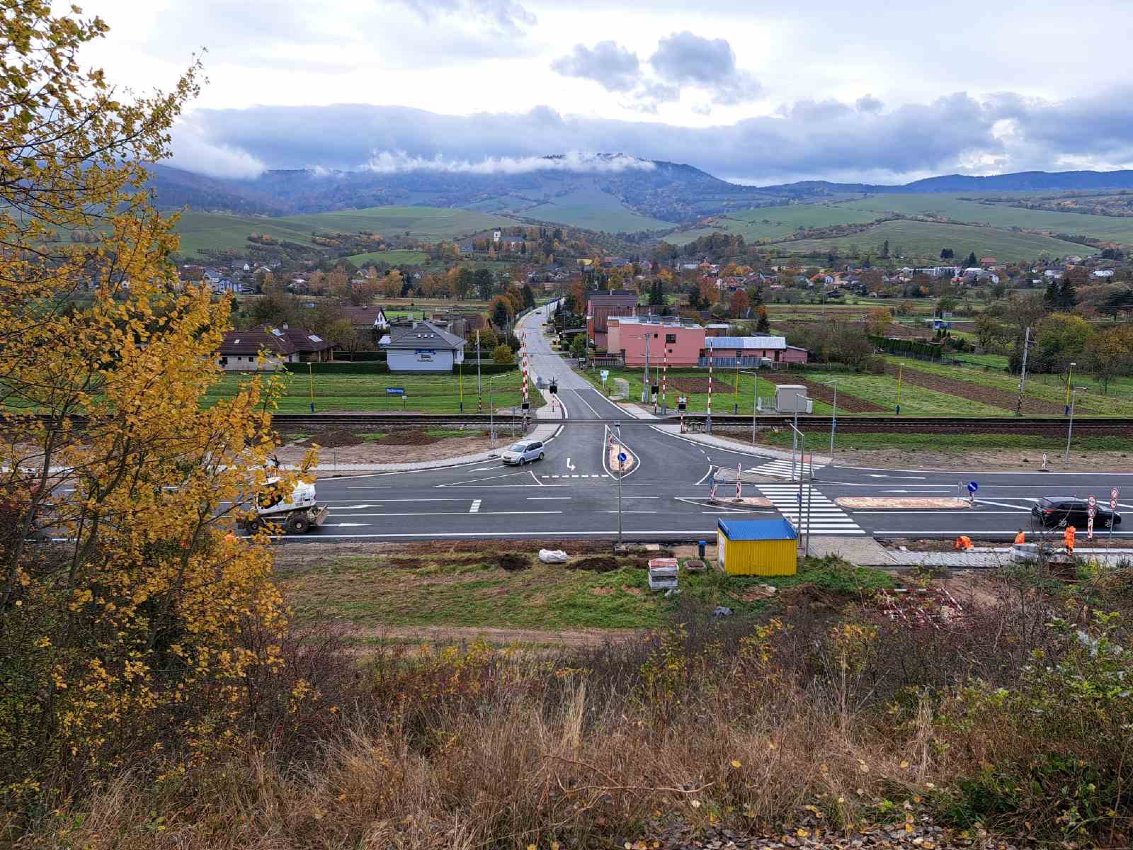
(366, 315)
(303, 340)
(746, 342)
(613, 298)
(238, 343)
(757, 529)
(423, 335)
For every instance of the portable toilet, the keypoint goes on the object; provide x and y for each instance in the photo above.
(757, 547)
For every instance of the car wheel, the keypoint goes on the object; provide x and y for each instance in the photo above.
(1062, 523)
(522, 461)
(540, 455)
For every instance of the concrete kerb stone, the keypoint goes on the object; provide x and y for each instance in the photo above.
(542, 432)
(735, 445)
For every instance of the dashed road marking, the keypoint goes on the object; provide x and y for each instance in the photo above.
(475, 509)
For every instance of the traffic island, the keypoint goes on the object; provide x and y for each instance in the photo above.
(753, 502)
(616, 465)
(922, 503)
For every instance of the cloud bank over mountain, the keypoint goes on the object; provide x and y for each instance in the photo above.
(811, 139)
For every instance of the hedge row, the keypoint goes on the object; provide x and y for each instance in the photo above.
(360, 356)
(910, 347)
(380, 368)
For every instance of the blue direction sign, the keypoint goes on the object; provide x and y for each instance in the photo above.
(622, 457)
(973, 486)
(395, 390)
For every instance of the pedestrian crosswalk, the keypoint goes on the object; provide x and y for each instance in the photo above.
(824, 518)
(781, 469)
(602, 475)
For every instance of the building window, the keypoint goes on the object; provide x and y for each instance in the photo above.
(670, 339)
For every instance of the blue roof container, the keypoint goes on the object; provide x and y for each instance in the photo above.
(758, 529)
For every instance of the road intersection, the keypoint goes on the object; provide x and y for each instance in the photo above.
(664, 494)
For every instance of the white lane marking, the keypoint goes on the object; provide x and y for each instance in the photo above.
(458, 513)
(570, 466)
(345, 524)
(900, 477)
(549, 498)
(486, 478)
(707, 475)
(483, 469)
(1003, 505)
(630, 512)
(475, 509)
(504, 534)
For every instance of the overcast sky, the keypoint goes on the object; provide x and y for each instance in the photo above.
(749, 90)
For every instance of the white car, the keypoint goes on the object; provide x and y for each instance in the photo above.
(522, 452)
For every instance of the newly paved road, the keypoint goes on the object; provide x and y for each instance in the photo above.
(664, 495)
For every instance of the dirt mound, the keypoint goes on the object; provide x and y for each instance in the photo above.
(700, 385)
(332, 439)
(821, 392)
(976, 392)
(513, 563)
(407, 438)
(597, 564)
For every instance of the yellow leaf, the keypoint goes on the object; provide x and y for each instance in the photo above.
(736, 764)
(695, 804)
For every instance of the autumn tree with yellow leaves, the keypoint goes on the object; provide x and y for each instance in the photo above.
(133, 633)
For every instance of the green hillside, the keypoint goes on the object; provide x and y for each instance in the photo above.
(593, 209)
(767, 223)
(923, 240)
(1115, 228)
(392, 258)
(221, 231)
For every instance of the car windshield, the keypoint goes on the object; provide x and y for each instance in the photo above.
(517, 447)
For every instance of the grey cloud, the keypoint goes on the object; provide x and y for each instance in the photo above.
(869, 103)
(823, 139)
(688, 59)
(613, 67)
(505, 16)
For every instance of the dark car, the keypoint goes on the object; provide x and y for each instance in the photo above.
(1060, 511)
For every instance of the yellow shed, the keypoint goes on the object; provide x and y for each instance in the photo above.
(757, 547)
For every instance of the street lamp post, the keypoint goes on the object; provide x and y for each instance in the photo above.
(900, 376)
(1070, 422)
(491, 413)
(1069, 378)
(833, 419)
(479, 384)
(311, 384)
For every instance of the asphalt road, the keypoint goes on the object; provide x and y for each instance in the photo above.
(664, 494)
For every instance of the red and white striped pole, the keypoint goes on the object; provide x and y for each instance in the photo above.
(708, 418)
(739, 480)
(664, 375)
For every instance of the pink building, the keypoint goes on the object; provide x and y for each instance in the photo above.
(604, 306)
(671, 342)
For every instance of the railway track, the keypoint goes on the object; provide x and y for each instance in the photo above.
(1043, 426)
(855, 424)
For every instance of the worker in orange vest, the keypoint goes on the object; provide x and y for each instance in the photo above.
(1068, 539)
(963, 543)
(1020, 538)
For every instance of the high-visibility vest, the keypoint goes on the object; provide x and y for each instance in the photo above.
(963, 542)
(1020, 538)
(1068, 537)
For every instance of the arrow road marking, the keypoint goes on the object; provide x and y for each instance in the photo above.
(570, 466)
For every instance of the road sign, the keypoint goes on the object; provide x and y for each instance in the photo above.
(1091, 508)
(1113, 494)
(622, 457)
(973, 487)
(395, 390)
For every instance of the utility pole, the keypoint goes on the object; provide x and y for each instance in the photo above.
(1023, 372)
(1070, 424)
(479, 384)
(1069, 400)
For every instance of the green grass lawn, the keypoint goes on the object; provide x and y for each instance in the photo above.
(722, 402)
(221, 231)
(954, 442)
(469, 589)
(390, 258)
(923, 240)
(1048, 388)
(423, 393)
